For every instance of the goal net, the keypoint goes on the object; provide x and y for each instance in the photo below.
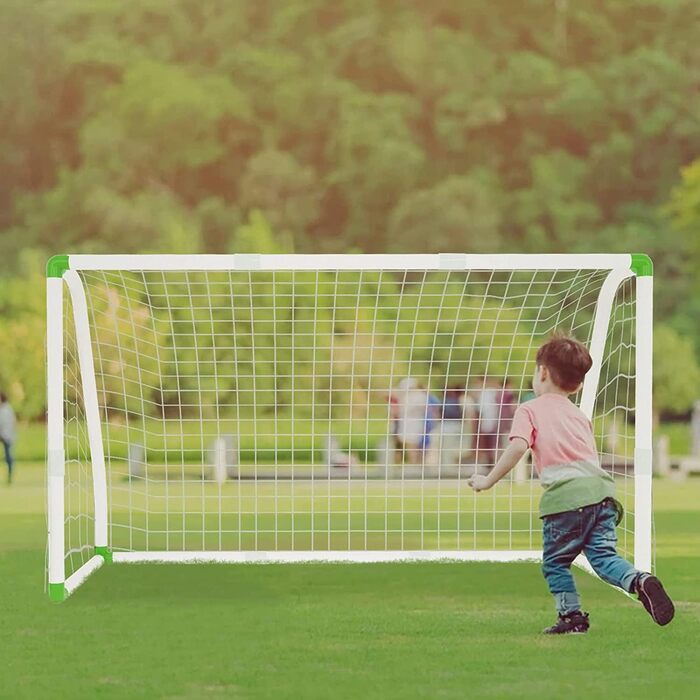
(325, 407)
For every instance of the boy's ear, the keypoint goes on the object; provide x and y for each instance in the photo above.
(542, 370)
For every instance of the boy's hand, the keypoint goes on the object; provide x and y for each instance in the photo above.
(479, 482)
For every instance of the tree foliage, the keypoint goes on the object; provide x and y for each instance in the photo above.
(676, 371)
(335, 125)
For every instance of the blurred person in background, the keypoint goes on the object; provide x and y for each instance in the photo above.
(8, 432)
(416, 411)
(470, 424)
(507, 403)
(452, 408)
(433, 415)
(489, 414)
(446, 438)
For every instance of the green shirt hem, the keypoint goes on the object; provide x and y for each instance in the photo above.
(571, 494)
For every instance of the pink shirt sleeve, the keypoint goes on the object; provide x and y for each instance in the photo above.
(522, 426)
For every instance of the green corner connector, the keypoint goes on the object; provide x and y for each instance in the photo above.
(57, 592)
(57, 265)
(105, 553)
(642, 266)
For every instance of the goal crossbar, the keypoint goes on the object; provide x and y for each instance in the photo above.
(367, 261)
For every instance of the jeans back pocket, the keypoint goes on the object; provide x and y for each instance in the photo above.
(561, 528)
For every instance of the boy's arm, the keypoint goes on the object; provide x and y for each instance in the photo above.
(510, 457)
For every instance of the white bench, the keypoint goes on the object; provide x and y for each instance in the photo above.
(687, 466)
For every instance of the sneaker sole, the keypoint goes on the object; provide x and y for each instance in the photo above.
(564, 634)
(559, 634)
(656, 601)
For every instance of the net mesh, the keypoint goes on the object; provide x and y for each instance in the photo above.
(328, 410)
(613, 419)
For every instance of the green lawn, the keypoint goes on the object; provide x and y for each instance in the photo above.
(337, 631)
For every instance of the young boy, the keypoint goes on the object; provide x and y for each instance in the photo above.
(578, 507)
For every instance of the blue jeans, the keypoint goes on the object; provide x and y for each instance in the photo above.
(591, 530)
(9, 458)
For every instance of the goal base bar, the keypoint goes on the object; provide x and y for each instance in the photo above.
(76, 579)
(292, 557)
(58, 592)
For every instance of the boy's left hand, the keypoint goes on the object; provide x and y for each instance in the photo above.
(479, 482)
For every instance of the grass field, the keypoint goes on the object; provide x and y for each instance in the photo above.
(330, 631)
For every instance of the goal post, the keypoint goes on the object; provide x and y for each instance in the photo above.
(281, 355)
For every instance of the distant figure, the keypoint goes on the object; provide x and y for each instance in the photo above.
(416, 411)
(507, 411)
(335, 457)
(470, 423)
(8, 432)
(444, 439)
(489, 412)
(452, 407)
(394, 409)
(433, 410)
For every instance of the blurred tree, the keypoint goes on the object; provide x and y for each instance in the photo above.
(454, 340)
(684, 208)
(287, 193)
(376, 159)
(549, 211)
(363, 125)
(22, 329)
(39, 110)
(218, 221)
(134, 349)
(458, 214)
(159, 123)
(676, 371)
(256, 236)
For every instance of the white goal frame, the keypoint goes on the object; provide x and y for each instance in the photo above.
(62, 274)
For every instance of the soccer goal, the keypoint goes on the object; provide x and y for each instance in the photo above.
(292, 408)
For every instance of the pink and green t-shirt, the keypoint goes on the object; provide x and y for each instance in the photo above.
(564, 453)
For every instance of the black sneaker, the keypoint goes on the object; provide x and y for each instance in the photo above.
(572, 623)
(654, 598)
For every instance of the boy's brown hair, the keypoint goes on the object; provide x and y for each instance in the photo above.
(566, 359)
